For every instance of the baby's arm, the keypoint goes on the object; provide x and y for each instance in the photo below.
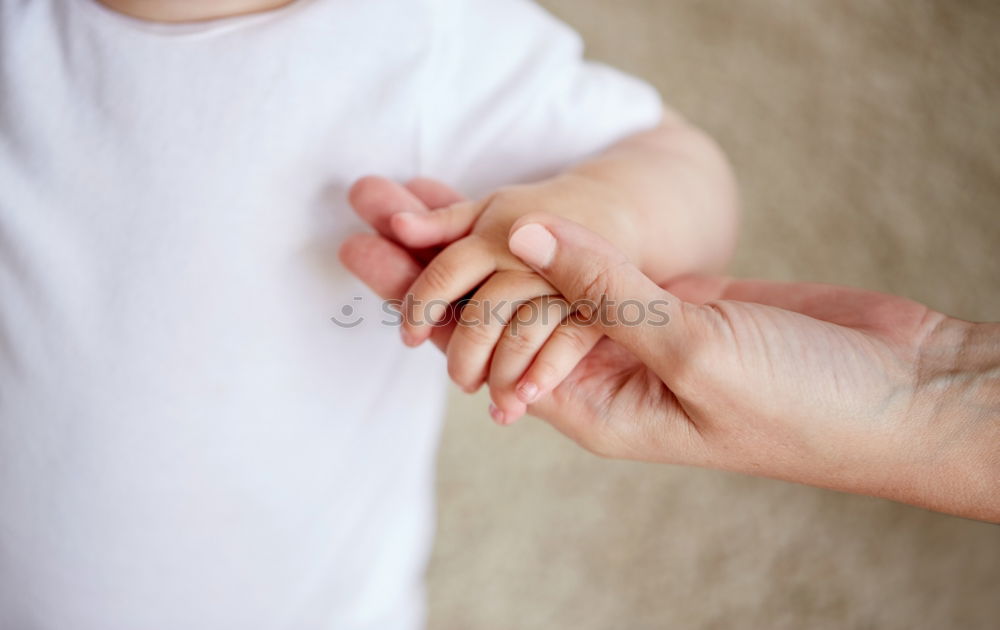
(665, 196)
(675, 199)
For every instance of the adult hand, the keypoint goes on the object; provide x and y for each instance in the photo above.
(825, 385)
(829, 386)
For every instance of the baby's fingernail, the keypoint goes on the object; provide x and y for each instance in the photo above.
(498, 416)
(533, 244)
(527, 392)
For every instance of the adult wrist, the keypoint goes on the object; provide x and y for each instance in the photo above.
(958, 401)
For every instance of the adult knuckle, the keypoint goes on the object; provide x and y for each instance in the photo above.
(597, 286)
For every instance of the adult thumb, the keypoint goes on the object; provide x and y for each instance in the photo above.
(603, 286)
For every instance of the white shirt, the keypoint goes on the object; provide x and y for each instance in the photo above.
(186, 439)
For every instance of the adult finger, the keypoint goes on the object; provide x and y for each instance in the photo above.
(609, 291)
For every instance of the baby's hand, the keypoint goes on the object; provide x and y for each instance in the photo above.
(664, 197)
(514, 332)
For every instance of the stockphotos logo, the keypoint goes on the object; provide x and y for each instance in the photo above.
(544, 310)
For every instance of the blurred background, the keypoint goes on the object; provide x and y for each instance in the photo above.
(866, 135)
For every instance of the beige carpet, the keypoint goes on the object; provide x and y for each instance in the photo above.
(866, 134)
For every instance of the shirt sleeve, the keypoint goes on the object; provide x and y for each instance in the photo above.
(510, 98)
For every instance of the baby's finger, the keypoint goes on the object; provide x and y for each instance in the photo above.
(377, 199)
(434, 194)
(452, 274)
(483, 320)
(388, 270)
(532, 325)
(444, 225)
(567, 346)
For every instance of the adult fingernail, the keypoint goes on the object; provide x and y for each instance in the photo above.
(533, 244)
(527, 392)
(498, 416)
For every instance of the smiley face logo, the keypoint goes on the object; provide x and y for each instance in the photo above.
(348, 317)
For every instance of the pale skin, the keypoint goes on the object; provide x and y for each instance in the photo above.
(671, 180)
(835, 387)
(191, 10)
(830, 386)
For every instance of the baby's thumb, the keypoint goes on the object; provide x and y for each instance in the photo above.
(602, 285)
